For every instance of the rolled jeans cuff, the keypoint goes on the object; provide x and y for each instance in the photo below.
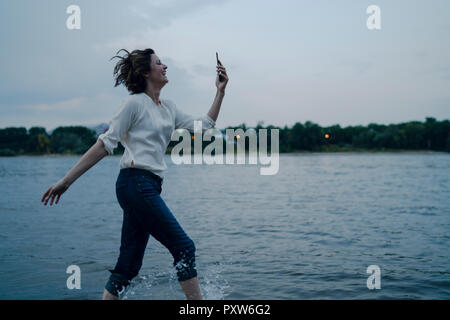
(116, 283)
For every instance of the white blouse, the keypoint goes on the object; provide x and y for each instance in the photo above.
(144, 129)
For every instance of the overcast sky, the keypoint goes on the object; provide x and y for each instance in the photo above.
(288, 61)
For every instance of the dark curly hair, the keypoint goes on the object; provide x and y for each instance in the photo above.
(130, 69)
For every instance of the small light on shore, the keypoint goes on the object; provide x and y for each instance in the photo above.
(327, 136)
(238, 137)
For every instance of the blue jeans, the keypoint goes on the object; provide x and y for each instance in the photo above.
(145, 213)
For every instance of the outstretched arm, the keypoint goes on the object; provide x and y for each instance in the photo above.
(96, 153)
(88, 160)
(106, 143)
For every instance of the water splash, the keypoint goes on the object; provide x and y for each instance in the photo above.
(165, 286)
(213, 284)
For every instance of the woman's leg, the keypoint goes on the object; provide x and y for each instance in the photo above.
(163, 226)
(108, 295)
(169, 233)
(132, 248)
(191, 289)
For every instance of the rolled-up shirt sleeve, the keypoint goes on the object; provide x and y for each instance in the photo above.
(119, 125)
(186, 121)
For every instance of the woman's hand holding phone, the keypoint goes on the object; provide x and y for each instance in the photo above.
(222, 77)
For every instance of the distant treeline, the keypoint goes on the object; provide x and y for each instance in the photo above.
(414, 135)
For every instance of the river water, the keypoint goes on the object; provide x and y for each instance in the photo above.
(308, 232)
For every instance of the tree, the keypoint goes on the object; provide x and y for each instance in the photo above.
(14, 139)
(72, 139)
(38, 140)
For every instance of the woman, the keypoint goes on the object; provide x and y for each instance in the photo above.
(144, 125)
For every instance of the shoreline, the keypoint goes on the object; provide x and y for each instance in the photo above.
(284, 153)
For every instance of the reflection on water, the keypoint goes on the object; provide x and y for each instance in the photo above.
(308, 232)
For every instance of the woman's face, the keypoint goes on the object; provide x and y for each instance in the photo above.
(158, 73)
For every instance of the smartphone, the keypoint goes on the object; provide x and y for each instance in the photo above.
(219, 64)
